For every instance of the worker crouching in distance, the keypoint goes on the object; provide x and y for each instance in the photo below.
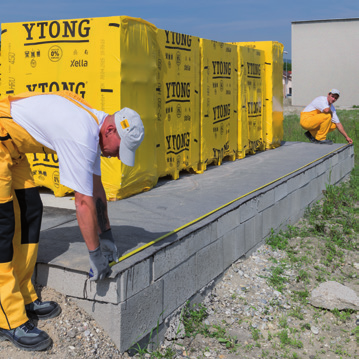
(320, 117)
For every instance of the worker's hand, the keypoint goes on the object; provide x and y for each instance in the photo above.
(108, 246)
(349, 140)
(99, 265)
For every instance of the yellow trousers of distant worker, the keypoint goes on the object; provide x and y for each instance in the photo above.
(319, 124)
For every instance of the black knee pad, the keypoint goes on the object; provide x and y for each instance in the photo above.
(7, 229)
(31, 214)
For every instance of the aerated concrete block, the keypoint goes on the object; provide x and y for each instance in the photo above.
(308, 175)
(129, 321)
(302, 180)
(228, 222)
(179, 285)
(265, 200)
(343, 170)
(259, 228)
(249, 234)
(294, 207)
(233, 245)
(174, 254)
(135, 279)
(334, 161)
(240, 241)
(280, 191)
(348, 164)
(312, 173)
(209, 263)
(341, 155)
(76, 284)
(248, 210)
(306, 198)
(322, 181)
(267, 221)
(280, 213)
(293, 183)
(322, 168)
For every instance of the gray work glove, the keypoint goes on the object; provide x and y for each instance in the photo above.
(108, 246)
(99, 265)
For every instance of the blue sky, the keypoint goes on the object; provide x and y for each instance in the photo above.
(220, 20)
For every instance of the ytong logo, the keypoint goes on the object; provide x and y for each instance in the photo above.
(221, 113)
(43, 32)
(254, 108)
(78, 88)
(174, 40)
(253, 69)
(178, 91)
(221, 69)
(178, 143)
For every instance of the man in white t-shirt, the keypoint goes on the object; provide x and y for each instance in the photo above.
(319, 118)
(64, 123)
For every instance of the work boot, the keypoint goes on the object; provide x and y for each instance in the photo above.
(309, 136)
(42, 310)
(26, 337)
(324, 142)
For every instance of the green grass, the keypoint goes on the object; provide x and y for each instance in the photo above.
(349, 118)
(193, 321)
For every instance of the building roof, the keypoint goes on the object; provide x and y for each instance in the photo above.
(327, 20)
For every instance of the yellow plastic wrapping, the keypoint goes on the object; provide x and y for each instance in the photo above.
(45, 170)
(36, 55)
(0, 71)
(128, 68)
(243, 131)
(178, 125)
(251, 79)
(273, 124)
(111, 62)
(219, 113)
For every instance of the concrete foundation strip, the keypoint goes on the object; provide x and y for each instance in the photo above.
(215, 210)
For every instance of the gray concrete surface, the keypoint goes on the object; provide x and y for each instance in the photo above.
(208, 221)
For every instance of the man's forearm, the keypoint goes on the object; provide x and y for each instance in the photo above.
(102, 216)
(100, 202)
(340, 128)
(87, 220)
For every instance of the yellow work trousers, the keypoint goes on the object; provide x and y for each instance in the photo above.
(319, 124)
(20, 221)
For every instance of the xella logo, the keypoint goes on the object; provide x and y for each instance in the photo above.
(45, 32)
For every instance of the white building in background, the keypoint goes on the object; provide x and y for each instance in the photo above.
(325, 55)
(287, 84)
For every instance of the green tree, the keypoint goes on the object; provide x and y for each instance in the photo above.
(289, 66)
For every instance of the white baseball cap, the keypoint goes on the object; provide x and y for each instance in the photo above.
(130, 128)
(335, 92)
